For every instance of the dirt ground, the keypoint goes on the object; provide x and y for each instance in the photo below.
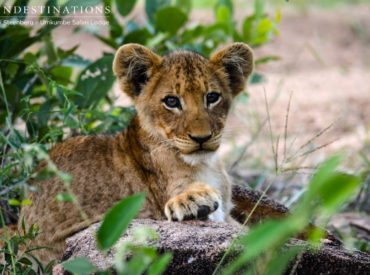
(324, 65)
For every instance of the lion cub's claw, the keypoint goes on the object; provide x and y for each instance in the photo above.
(196, 203)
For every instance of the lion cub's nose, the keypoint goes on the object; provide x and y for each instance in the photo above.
(200, 139)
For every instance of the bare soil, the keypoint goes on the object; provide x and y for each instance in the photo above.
(325, 67)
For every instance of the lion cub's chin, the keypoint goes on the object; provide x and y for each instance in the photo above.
(200, 157)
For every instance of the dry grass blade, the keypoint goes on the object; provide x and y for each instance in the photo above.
(286, 123)
(274, 150)
(298, 168)
(276, 156)
(316, 136)
(247, 145)
(245, 148)
(315, 149)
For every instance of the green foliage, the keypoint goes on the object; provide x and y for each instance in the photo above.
(17, 255)
(125, 7)
(167, 28)
(170, 14)
(263, 247)
(79, 266)
(94, 82)
(117, 220)
(141, 258)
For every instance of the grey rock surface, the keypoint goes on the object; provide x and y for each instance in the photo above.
(198, 246)
(195, 244)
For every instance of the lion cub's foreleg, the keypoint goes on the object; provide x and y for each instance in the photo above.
(197, 201)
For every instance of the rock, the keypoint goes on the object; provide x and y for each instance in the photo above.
(245, 199)
(198, 246)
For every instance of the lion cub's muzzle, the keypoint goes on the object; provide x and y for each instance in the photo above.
(197, 144)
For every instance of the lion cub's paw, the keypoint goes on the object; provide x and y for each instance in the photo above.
(196, 203)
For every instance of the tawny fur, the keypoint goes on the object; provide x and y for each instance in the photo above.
(155, 153)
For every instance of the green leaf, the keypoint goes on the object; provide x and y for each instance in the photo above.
(225, 3)
(278, 16)
(25, 261)
(14, 39)
(159, 266)
(223, 15)
(20, 4)
(259, 8)
(62, 74)
(139, 36)
(14, 202)
(266, 59)
(26, 202)
(337, 189)
(264, 26)
(170, 19)
(279, 263)
(260, 238)
(125, 6)
(115, 29)
(152, 6)
(75, 61)
(117, 219)
(256, 78)
(66, 197)
(243, 97)
(184, 5)
(79, 266)
(94, 82)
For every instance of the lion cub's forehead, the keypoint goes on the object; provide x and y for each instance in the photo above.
(188, 64)
(187, 71)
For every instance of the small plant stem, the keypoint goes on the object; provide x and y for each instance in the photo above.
(7, 237)
(4, 95)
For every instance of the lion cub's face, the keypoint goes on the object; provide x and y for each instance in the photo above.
(183, 98)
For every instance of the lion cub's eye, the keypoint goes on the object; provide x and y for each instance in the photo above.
(212, 97)
(172, 102)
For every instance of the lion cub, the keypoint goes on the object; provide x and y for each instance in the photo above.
(168, 151)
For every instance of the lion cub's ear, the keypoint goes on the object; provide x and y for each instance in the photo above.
(237, 62)
(134, 65)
